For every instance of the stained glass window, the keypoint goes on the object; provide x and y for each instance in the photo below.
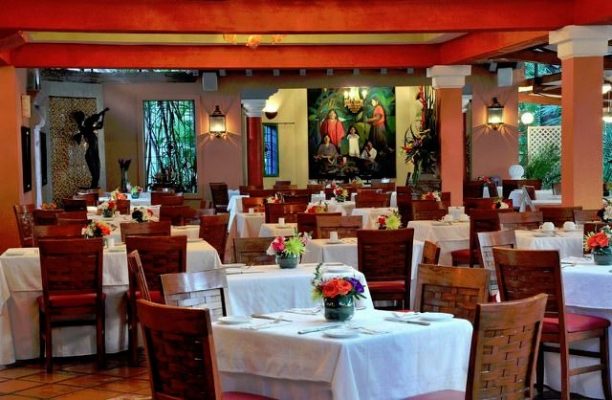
(170, 144)
(270, 149)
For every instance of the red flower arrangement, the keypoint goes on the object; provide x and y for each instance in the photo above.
(598, 243)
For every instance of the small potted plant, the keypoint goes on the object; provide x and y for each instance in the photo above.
(117, 195)
(142, 214)
(340, 194)
(136, 190)
(389, 222)
(288, 250)
(599, 245)
(108, 208)
(318, 208)
(431, 196)
(339, 294)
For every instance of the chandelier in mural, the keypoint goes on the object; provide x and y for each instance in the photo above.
(354, 98)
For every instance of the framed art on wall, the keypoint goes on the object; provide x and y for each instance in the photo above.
(26, 158)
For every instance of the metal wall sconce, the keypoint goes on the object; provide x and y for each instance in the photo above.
(495, 114)
(270, 114)
(216, 123)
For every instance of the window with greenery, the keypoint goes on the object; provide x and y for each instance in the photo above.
(170, 144)
(533, 69)
(270, 149)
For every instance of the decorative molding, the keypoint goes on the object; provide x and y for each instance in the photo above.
(254, 107)
(448, 76)
(581, 41)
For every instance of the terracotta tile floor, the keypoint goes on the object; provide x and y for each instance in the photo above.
(75, 378)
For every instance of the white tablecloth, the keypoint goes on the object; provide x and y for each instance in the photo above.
(143, 200)
(234, 206)
(191, 231)
(543, 197)
(269, 230)
(369, 216)
(409, 360)
(344, 208)
(449, 237)
(268, 288)
(569, 244)
(20, 285)
(319, 250)
(248, 225)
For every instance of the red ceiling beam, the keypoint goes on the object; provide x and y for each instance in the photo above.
(5, 58)
(194, 57)
(482, 46)
(294, 16)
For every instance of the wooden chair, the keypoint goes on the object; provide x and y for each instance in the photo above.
(404, 190)
(261, 193)
(289, 211)
(91, 198)
(504, 352)
(123, 206)
(480, 221)
(471, 203)
(206, 289)
(383, 186)
(46, 217)
(307, 222)
(181, 354)
(523, 273)
(25, 222)
(431, 253)
(162, 228)
(488, 240)
(246, 189)
(451, 290)
(558, 215)
(345, 226)
(166, 198)
(385, 258)
(303, 198)
(372, 199)
(177, 215)
(74, 204)
(159, 255)
(213, 229)
(220, 196)
(445, 199)
(510, 184)
(252, 251)
(582, 216)
(521, 220)
(72, 217)
(135, 268)
(475, 189)
(71, 275)
(70, 231)
(258, 203)
(426, 210)
(315, 188)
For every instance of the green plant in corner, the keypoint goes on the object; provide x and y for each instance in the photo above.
(545, 166)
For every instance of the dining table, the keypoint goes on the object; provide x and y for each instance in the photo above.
(277, 229)
(369, 215)
(191, 231)
(20, 285)
(247, 225)
(343, 207)
(369, 357)
(568, 242)
(449, 236)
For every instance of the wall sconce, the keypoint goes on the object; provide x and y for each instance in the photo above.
(216, 123)
(495, 114)
(271, 114)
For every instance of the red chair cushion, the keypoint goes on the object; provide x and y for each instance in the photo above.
(440, 395)
(70, 300)
(575, 323)
(461, 256)
(156, 296)
(243, 396)
(386, 286)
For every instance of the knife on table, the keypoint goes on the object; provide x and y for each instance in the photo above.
(319, 329)
(270, 317)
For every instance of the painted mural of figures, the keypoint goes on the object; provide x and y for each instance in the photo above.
(378, 132)
(87, 131)
(353, 142)
(327, 155)
(332, 127)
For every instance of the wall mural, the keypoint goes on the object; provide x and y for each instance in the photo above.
(351, 133)
(69, 170)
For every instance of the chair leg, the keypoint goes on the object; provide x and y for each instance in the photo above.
(540, 372)
(132, 337)
(41, 337)
(564, 358)
(605, 362)
(48, 346)
(101, 341)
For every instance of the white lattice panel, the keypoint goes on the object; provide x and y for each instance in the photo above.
(538, 137)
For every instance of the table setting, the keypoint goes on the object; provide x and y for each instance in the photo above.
(369, 216)
(448, 235)
(568, 240)
(281, 228)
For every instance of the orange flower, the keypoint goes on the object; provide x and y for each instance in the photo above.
(330, 289)
(344, 287)
(601, 239)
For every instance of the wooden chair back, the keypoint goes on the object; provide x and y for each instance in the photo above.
(431, 253)
(307, 222)
(46, 217)
(471, 203)
(156, 195)
(289, 211)
(582, 216)
(74, 204)
(482, 221)
(505, 347)
(424, 210)
(123, 206)
(345, 226)
(252, 251)
(451, 290)
(404, 190)
(220, 196)
(258, 203)
(135, 268)
(383, 186)
(315, 188)
(80, 215)
(246, 189)
(445, 199)
(213, 229)
(25, 222)
(177, 215)
(161, 228)
(91, 198)
(488, 240)
(159, 255)
(474, 189)
(531, 191)
(372, 199)
(300, 198)
(205, 289)
(386, 255)
(68, 220)
(42, 232)
(181, 354)
(261, 192)
(510, 184)
(169, 200)
(521, 220)
(558, 215)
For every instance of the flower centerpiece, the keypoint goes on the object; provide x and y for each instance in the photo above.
(48, 206)
(96, 229)
(431, 196)
(136, 190)
(340, 194)
(118, 195)
(390, 222)
(276, 199)
(142, 214)
(288, 250)
(108, 208)
(605, 214)
(499, 204)
(320, 207)
(339, 294)
(599, 245)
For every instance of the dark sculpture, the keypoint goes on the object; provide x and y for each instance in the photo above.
(87, 130)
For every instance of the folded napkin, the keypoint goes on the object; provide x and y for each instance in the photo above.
(577, 260)
(14, 253)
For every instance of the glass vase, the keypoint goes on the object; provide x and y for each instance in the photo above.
(107, 213)
(288, 261)
(339, 308)
(602, 259)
